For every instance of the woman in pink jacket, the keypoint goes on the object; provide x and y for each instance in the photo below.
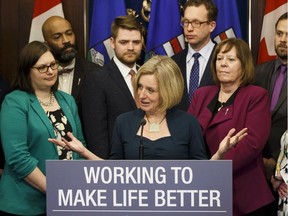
(234, 103)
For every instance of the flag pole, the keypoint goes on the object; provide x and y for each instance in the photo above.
(249, 24)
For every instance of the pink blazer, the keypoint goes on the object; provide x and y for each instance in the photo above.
(250, 109)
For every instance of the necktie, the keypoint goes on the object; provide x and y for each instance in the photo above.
(277, 86)
(136, 98)
(65, 70)
(194, 76)
(132, 74)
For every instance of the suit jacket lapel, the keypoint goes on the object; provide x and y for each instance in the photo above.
(77, 79)
(282, 101)
(42, 115)
(117, 77)
(225, 114)
(222, 115)
(66, 109)
(207, 77)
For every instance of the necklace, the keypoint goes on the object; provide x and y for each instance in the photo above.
(221, 106)
(47, 103)
(155, 127)
(222, 103)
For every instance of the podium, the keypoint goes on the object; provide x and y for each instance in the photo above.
(139, 187)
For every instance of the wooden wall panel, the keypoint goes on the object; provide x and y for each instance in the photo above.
(256, 22)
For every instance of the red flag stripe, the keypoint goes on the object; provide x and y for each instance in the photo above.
(263, 53)
(41, 7)
(272, 5)
(175, 45)
(223, 36)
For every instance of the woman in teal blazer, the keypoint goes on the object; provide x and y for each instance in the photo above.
(31, 114)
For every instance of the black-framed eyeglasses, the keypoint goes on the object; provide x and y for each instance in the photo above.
(44, 68)
(194, 23)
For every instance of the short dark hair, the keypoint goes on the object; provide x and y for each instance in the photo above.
(243, 53)
(282, 17)
(128, 22)
(209, 5)
(29, 55)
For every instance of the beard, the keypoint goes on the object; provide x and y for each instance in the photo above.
(281, 51)
(128, 58)
(63, 55)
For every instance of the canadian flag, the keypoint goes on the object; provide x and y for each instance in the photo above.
(273, 10)
(43, 9)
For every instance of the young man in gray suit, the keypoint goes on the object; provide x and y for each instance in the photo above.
(272, 75)
(108, 92)
(198, 24)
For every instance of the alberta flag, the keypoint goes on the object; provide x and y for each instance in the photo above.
(273, 10)
(165, 35)
(104, 13)
(228, 22)
(43, 9)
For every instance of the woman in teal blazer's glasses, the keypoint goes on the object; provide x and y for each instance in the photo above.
(32, 113)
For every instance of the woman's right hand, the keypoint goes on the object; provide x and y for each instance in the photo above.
(76, 146)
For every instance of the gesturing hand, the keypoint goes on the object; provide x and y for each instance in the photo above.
(74, 145)
(228, 142)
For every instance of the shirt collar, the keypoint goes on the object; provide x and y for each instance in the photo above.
(205, 51)
(278, 63)
(71, 65)
(124, 69)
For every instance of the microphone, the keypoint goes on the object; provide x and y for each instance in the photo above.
(141, 146)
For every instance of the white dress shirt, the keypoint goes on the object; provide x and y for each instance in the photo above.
(205, 52)
(125, 70)
(66, 79)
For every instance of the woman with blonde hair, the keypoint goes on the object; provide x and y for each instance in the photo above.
(166, 132)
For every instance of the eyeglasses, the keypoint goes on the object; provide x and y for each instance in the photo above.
(194, 23)
(44, 68)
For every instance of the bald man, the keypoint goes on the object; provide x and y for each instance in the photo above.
(60, 37)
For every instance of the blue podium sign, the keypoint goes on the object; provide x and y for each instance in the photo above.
(139, 187)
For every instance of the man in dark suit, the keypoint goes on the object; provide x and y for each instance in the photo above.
(267, 75)
(198, 23)
(59, 36)
(108, 92)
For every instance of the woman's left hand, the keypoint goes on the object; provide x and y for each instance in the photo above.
(282, 190)
(229, 141)
(276, 182)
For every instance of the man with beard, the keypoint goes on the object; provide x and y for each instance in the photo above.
(108, 92)
(198, 23)
(272, 75)
(59, 36)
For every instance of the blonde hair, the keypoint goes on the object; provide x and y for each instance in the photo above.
(169, 79)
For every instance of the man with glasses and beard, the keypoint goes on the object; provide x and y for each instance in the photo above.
(60, 37)
(272, 75)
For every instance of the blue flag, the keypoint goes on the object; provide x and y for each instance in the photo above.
(104, 13)
(228, 21)
(165, 35)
